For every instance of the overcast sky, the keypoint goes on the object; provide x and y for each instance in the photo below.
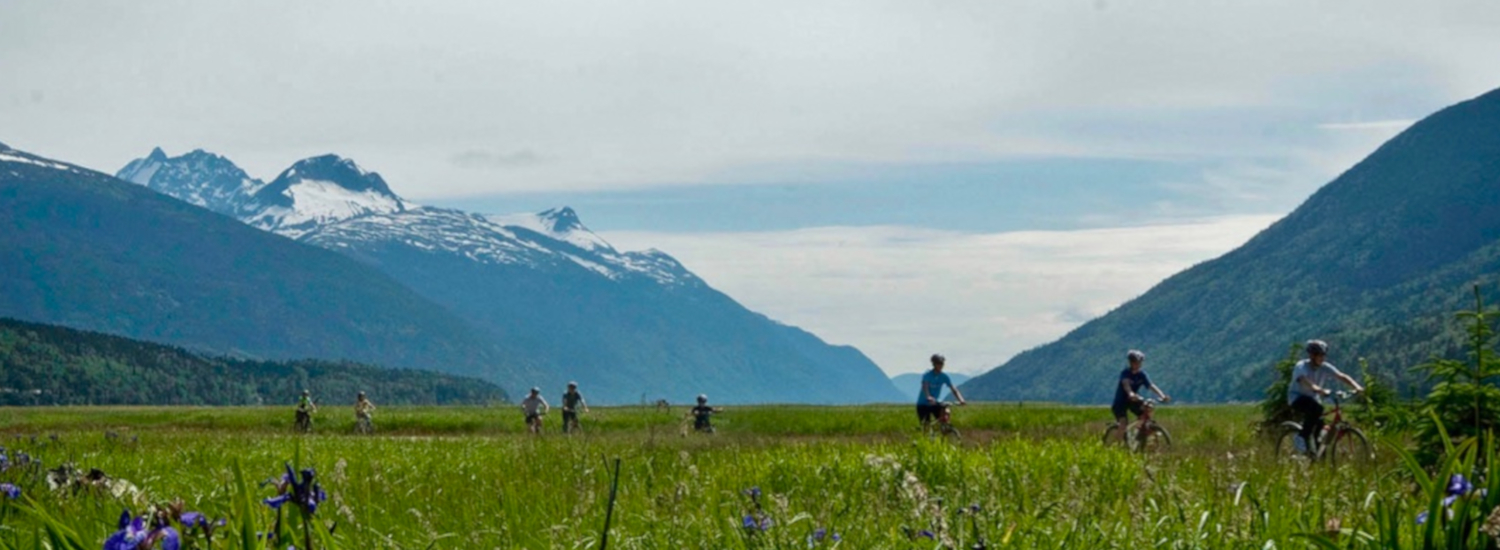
(973, 177)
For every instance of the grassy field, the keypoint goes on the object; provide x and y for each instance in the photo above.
(1029, 476)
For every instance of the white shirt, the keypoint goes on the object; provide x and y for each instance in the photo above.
(533, 404)
(1320, 377)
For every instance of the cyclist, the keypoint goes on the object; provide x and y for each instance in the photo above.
(364, 410)
(571, 400)
(928, 406)
(1310, 379)
(305, 409)
(1127, 391)
(534, 407)
(701, 414)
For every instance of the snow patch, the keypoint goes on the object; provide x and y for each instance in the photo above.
(581, 238)
(7, 156)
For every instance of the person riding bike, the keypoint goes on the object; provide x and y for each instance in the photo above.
(305, 409)
(1127, 392)
(364, 412)
(571, 400)
(702, 413)
(534, 407)
(1310, 379)
(928, 406)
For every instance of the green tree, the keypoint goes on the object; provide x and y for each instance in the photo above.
(1465, 399)
(1274, 408)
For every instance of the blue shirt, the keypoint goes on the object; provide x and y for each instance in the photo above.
(935, 382)
(1137, 381)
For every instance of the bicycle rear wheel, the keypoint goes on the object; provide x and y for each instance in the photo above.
(1112, 435)
(1349, 446)
(1286, 439)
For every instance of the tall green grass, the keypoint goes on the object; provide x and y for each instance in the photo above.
(468, 478)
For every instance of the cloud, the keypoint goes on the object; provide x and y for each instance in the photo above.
(902, 293)
(492, 160)
(1383, 126)
(683, 92)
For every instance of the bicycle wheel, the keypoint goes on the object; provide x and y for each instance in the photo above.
(1349, 446)
(950, 434)
(1286, 440)
(1112, 435)
(1156, 439)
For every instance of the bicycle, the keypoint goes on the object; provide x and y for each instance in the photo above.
(1340, 440)
(570, 421)
(943, 426)
(364, 425)
(304, 421)
(1144, 435)
(534, 423)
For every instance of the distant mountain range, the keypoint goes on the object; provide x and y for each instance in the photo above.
(52, 365)
(542, 289)
(86, 250)
(1376, 262)
(911, 384)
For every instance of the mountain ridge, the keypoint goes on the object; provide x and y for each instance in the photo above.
(544, 286)
(85, 250)
(1375, 262)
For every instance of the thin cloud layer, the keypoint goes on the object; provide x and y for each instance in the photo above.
(680, 92)
(900, 293)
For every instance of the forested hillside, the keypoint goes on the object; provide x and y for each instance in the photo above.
(52, 365)
(1376, 262)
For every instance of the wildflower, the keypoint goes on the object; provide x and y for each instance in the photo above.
(753, 492)
(10, 490)
(195, 520)
(819, 535)
(974, 508)
(1458, 486)
(751, 523)
(1491, 525)
(927, 535)
(305, 494)
(133, 535)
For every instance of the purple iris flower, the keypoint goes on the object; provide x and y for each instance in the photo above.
(974, 508)
(192, 519)
(133, 535)
(301, 491)
(819, 535)
(751, 523)
(927, 534)
(753, 492)
(1457, 486)
(10, 490)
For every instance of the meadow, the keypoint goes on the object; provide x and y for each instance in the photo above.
(1025, 476)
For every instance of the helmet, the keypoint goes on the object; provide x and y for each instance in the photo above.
(535, 389)
(938, 359)
(1135, 355)
(572, 384)
(1317, 347)
(304, 392)
(702, 398)
(361, 394)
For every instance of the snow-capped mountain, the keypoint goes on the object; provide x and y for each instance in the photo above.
(552, 292)
(561, 224)
(318, 191)
(82, 249)
(199, 178)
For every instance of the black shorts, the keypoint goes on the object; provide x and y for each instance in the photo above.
(1132, 406)
(926, 412)
(570, 416)
(530, 417)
